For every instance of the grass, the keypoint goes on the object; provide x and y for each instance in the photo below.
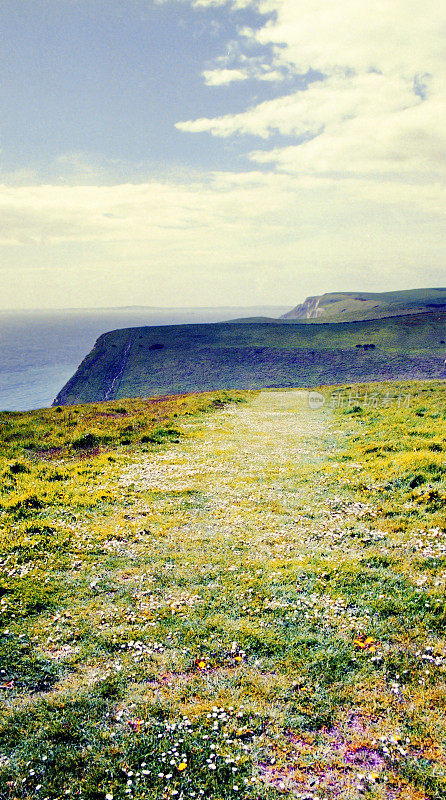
(249, 606)
(179, 358)
(51, 434)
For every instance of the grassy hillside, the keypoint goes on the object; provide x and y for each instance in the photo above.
(247, 603)
(351, 306)
(181, 358)
(72, 432)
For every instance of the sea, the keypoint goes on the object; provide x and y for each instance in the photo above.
(41, 350)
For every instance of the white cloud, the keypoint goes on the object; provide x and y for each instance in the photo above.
(377, 111)
(407, 142)
(305, 112)
(229, 237)
(402, 37)
(223, 77)
(253, 205)
(354, 201)
(235, 4)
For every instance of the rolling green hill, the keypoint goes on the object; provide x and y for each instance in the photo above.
(350, 306)
(138, 362)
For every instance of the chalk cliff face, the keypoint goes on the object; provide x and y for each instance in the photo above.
(309, 309)
(353, 306)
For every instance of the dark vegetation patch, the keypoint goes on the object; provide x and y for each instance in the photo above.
(21, 669)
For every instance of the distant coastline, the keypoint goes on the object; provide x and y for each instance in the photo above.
(40, 349)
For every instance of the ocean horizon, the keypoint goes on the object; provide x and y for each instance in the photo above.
(41, 349)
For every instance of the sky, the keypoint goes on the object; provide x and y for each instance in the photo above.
(219, 152)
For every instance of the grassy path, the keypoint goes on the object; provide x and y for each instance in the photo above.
(238, 475)
(254, 611)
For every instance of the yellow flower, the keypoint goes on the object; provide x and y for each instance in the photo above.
(182, 766)
(365, 643)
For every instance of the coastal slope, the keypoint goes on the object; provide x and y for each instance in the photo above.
(354, 306)
(138, 362)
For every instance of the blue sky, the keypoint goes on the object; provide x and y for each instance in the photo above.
(206, 152)
(110, 80)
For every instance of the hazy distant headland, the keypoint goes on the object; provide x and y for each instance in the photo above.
(353, 306)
